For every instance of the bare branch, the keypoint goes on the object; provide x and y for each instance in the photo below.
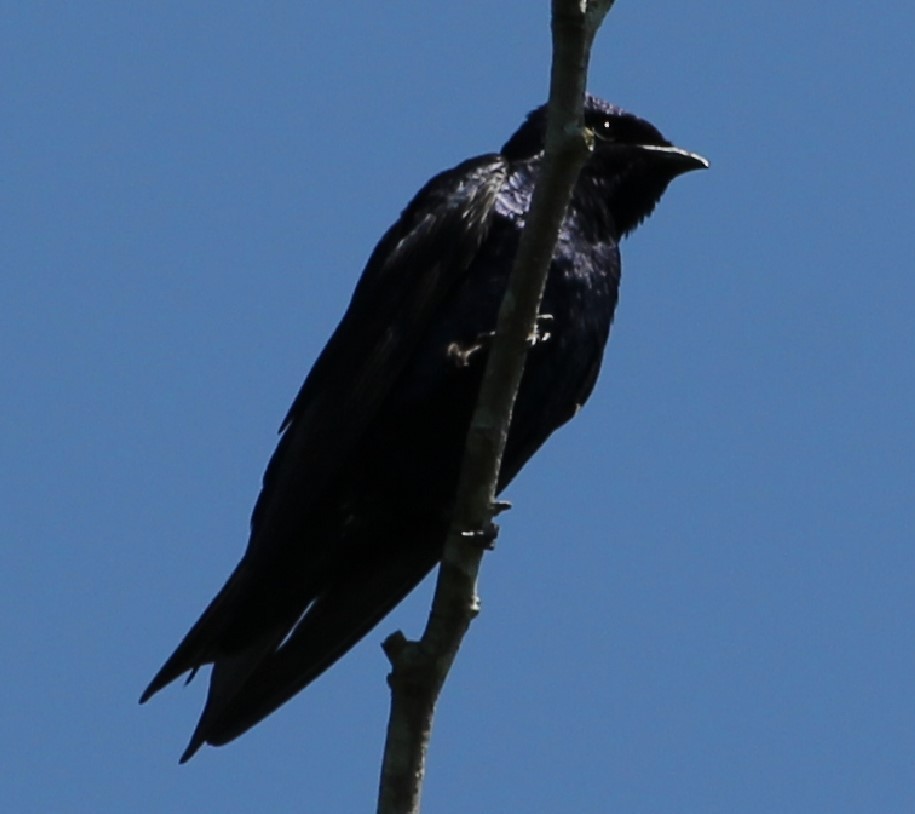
(419, 668)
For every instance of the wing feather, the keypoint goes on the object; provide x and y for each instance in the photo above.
(409, 275)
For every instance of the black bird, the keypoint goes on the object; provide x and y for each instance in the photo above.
(355, 502)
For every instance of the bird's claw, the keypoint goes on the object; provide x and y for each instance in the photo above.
(499, 506)
(461, 353)
(484, 537)
(541, 332)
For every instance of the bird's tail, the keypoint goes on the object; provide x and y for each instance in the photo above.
(220, 631)
(240, 696)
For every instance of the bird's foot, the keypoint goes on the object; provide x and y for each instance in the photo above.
(541, 332)
(484, 537)
(499, 506)
(461, 353)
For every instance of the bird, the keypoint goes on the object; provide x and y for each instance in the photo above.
(355, 503)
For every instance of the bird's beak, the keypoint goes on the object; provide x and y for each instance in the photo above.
(681, 159)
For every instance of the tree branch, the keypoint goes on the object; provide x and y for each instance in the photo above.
(419, 668)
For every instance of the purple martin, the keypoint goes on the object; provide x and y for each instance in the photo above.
(355, 504)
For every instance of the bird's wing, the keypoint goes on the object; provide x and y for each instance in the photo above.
(412, 270)
(410, 273)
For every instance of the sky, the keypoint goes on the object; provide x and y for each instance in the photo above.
(703, 598)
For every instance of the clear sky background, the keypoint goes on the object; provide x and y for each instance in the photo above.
(703, 600)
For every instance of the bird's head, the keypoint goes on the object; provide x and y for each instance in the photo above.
(631, 163)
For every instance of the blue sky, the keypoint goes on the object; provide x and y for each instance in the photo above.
(703, 598)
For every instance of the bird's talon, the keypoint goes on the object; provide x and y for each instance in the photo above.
(461, 353)
(499, 506)
(541, 332)
(484, 537)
